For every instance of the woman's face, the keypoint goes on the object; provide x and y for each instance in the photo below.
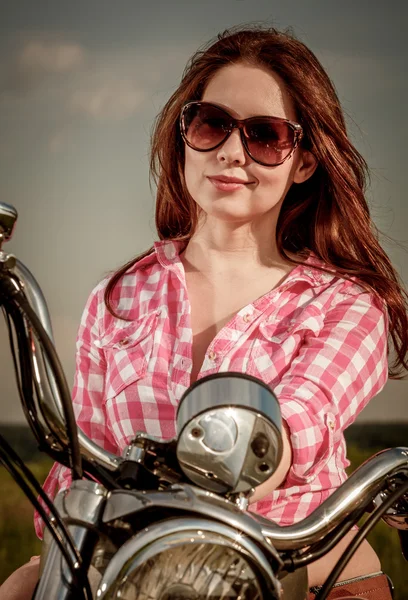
(244, 91)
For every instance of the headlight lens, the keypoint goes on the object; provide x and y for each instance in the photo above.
(194, 572)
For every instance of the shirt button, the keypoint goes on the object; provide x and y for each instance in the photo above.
(124, 342)
(247, 317)
(212, 355)
(331, 425)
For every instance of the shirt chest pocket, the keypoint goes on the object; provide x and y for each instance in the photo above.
(127, 352)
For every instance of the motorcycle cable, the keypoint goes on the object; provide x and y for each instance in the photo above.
(91, 469)
(13, 311)
(24, 387)
(359, 538)
(29, 410)
(10, 287)
(13, 463)
(24, 376)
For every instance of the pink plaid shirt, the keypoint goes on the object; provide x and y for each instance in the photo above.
(319, 341)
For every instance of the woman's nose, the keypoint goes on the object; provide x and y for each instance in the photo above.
(232, 150)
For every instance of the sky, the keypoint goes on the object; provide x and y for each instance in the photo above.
(81, 83)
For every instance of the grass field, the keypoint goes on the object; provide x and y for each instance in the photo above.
(18, 541)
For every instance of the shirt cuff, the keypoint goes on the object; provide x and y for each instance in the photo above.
(312, 441)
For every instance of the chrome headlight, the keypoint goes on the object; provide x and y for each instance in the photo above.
(189, 559)
(229, 433)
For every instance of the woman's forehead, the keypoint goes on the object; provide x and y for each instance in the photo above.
(247, 91)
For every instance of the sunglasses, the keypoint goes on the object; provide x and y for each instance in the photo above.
(269, 141)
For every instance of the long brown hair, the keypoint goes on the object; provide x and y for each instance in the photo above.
(327, 214)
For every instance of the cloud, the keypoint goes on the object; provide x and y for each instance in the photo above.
(113, 99)
(115, 84)
(51, 57)
(35, 61)
(63, 86)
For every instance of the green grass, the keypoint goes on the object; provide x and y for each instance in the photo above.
(18, 540)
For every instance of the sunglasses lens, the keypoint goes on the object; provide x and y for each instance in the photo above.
(205, 126)
(269, 142)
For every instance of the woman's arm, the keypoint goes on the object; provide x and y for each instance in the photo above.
(330, 380)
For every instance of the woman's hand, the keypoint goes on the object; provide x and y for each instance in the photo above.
(21, 584)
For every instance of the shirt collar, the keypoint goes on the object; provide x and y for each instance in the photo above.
(168, 251)
(312, 272)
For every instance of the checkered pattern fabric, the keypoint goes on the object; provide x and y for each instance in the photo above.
(319, 341)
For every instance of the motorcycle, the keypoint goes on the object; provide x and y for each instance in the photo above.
(167, 520)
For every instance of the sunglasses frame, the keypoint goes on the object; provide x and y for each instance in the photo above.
(240, 124)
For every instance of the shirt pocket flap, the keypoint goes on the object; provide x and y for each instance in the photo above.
(128, 350)
(128, 334)
(277, 330)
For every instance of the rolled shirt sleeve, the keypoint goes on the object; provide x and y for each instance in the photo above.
(333, 377)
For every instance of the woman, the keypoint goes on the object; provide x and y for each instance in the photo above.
(268, 264)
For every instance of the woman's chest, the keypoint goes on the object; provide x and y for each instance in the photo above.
(222, 309)
(153, 361)
(211, 311)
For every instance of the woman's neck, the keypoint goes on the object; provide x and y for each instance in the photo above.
(229, 250)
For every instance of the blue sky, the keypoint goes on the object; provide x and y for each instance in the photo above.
(80, 86)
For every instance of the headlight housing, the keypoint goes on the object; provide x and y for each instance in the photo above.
(189, 559)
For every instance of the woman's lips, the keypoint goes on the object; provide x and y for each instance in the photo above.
(227, 186)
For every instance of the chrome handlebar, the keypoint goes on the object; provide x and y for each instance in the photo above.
(359, 490)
